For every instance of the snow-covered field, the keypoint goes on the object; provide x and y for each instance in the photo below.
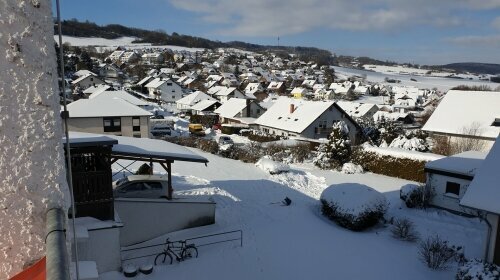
(296, 241)
(103, 44)
(423, 82)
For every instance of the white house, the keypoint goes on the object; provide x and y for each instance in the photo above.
(164, 89)
(448, 179)
(483, 195)
(108, 116)
(358, 110)
(96, 89)
(152, 58)
(276, 87)
(205, 107)
(307, 119)
(226, 93)
(116, 55)
(467, 115)
(238, 110)
(129, 56)
(122, 95)
(86, 81)
(185, 103)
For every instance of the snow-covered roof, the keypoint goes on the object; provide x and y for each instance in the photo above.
(141, 147)
(119, 94)
(305, 112)
(484, 190)
(459, 111)
(84, 72)
(356, 109)
(104, 107)
(231, 107)
(81, 78)
(203, 105)
(465, 163)
(225, 91)
(96, 89)
(194, 98)
(155, 83)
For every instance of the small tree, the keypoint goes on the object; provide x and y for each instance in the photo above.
(338, 149)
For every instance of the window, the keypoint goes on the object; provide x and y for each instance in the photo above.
(153, 185)
(134, 187)
(453, 188)
(112, 124)
(136, 124)
(169, 84)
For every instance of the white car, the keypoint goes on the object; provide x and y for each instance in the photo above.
(141, 186)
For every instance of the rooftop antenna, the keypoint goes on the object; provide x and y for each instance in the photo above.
(65, 116)
(278, 41)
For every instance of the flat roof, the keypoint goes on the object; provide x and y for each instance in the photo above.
(465, 163)
(137, 148)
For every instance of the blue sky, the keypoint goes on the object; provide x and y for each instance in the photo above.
(417, 31)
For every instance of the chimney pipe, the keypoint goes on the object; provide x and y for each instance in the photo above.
(292, 108)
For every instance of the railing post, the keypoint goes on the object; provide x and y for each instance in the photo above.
(57, 261)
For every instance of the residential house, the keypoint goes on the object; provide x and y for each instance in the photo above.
(86, 81)
(184, 104)
(449, 177)
(122, 95)
(467, 115)
(306, 119)
(238, 110)
(256, 90)
(225, 93)
(95, 89)
(152, 58)
(482, 196)
(110, 71)
(115, 56)
(276, 87)
(229, 80)
(81, 73)
(358, 110)
(108, 115)
(129, 57)
(205, 107)
(299, 92)
(164, 89)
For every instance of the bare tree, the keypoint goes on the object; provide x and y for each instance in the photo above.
(470, 141)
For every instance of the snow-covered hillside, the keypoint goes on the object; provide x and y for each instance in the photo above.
(32, 174)
(103, 44)
(296, 241)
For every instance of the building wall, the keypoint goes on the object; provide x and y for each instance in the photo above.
(101, 245)
(437, 184)
(486, 143)
(163, 216)
(95, 125)
(170, 93)
(89, 81)
(494, 220)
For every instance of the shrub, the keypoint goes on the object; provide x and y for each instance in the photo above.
(404, 229)
(414, 195)
(208, 146)
(478, 270)
(437, 253)
(262, 138)
(351, 168)
(300, 152)
(353, 206)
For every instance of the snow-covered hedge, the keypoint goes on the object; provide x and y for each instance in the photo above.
(271, 166)
(353, 206)
(478, 270)
(351, 168)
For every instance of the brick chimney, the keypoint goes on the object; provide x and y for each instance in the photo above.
(292, 108)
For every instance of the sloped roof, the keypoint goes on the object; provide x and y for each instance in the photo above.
(96, 89)
(231, 107)
(465, 163)
(203, 105)
(279, 116)
(462, 110)
(81, 78)
(156, 82)
(104, 107)
(119, 94)
(484, 190)
(355, 109)
(194, 98)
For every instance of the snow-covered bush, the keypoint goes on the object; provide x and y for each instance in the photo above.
(412, 144)
(478, 270)
(370, 130)
(404, 229)
(414, 195)
(353, 206)
(271, 166)
(351, 168)
(437, 253)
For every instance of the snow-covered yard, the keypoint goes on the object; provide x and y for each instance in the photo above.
(297, 242)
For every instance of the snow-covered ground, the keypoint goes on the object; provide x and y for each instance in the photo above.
(103, 44)
(296, 241)
(423, 82)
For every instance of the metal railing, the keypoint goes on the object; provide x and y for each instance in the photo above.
(189, 241)
(57, 260)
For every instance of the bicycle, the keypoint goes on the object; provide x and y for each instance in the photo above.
(186, 251)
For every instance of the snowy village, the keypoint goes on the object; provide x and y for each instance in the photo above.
(134, 160)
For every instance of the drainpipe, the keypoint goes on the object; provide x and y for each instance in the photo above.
(488, 235)
(57, 261)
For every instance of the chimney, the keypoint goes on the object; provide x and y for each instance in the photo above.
(292, 108)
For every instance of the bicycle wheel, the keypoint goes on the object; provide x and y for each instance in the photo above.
(189, 252)
(167, 258)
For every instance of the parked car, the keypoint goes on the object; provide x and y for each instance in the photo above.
(196, 129)
(141, 186)
(159, 131)
(157, 117)
(223, 140)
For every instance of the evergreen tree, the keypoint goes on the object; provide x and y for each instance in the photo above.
(338, 149)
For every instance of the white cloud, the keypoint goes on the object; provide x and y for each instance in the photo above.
(476, 41)
(284, 17)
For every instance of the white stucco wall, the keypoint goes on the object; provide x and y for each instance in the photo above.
(32, 173)
(440, 199)
(95, 125)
